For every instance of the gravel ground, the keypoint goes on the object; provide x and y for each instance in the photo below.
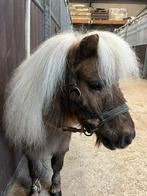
(90, 171)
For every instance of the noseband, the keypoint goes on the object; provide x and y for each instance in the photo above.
(107, 116)
(102, 119)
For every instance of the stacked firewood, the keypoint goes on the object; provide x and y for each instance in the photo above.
(85, 14)
(80, 12)
(100, 14)
(117, 13)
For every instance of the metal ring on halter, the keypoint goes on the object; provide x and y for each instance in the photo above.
(76, 90)
(88, 133)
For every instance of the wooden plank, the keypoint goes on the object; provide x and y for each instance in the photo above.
(109, 1)
(27, 28)
(37, 28)
(11, 49)
(81, 17)
(36, 25)
(41, 27)
(80, 13)
(109, 22)
(19, 26)
(79, 21)
(54, 27)
(101, 22)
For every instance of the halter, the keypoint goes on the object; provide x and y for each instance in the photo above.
(109, 115)
(103, 118)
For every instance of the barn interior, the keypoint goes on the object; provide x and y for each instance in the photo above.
(25, 25)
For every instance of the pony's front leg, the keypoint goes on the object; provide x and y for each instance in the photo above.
(56, 163)
(35, 170)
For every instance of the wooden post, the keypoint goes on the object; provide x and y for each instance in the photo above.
(27, 27)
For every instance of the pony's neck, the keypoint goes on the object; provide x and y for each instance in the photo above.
(52, 118)
(58, 116)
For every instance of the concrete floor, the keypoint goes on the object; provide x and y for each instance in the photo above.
(90, 171)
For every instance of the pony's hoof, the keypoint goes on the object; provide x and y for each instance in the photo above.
(56, 194)
(36, 189)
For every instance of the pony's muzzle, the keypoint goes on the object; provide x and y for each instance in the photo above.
(113, 141)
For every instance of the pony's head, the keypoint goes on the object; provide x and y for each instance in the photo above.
(81, 73)
(94, 66)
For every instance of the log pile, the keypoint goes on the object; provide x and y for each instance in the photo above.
(100, 14)
(80, 12)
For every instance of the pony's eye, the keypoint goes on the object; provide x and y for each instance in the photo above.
(95, 85)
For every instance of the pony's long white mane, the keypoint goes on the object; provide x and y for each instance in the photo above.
(35, 81)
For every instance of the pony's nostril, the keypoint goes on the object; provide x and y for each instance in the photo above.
(128, 139)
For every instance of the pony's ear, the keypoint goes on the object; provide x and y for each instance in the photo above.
(88, 46)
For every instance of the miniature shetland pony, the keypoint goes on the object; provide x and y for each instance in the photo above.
(70, 81)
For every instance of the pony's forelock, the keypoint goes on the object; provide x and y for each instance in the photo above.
(116, 59)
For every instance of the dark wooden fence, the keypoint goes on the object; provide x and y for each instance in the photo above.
(47, 18)
(37, 25)
(12, 52)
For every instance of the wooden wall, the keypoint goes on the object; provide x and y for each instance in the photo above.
(12, 52)
(37, 25)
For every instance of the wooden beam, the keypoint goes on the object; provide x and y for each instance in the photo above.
(27, 27)
(100, 22)
(79, 21)
(109, 22)
(110, 1)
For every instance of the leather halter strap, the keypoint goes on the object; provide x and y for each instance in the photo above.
(111, 114)
(104, 117)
